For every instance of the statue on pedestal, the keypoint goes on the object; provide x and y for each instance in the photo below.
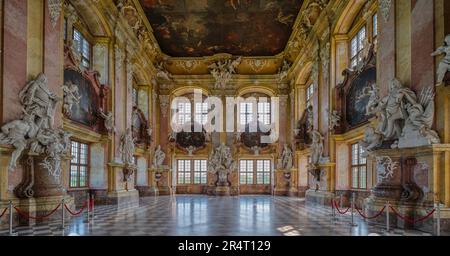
(286, 158)
(158, 158)
(222, 164)
(71, 97)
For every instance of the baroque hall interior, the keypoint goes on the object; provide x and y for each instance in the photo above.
(320, 103)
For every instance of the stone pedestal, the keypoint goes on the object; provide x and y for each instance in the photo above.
(121, 190)
(222, 191)
(404, 178)
(151, 189)
(45, 184)
(283, 182)
(163, 180)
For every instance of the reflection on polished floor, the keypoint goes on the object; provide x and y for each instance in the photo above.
(212, 216)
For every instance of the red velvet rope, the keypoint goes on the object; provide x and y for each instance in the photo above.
(412, 221)
(91, 204)
(373, 217)
(337, 208)
(76, 213)
(27, 216)
(3, 213)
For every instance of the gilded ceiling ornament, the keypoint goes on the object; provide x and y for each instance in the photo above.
(54, 8)
(187, 65)
(385, 8)
(257, 64)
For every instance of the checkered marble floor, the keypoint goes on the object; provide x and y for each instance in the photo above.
(212, 216)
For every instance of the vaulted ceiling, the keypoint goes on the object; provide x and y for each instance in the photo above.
(197, 28)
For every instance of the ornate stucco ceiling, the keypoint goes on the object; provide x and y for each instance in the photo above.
(200, 28)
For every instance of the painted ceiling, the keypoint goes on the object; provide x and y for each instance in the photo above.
(197, 28)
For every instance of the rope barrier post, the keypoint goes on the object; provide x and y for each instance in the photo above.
(93, 208)
(62, 214)
(438, 225)
(387, 217)
(353, 209)
(11, 206)
(88, 202)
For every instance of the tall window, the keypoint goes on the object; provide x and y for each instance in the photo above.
(201, 113)
(264, 112)
(357, 47)
(184, 112)
(359, 167)
(192, 172)
(83, 48)
(253, 172)
(245, 113)
(79, 166)
(309, 94)
(135, 97)
(375, 28)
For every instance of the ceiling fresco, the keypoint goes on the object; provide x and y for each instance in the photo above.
(197, 28)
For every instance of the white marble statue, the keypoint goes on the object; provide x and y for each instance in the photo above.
(135, 121)
(316, 147)
(286, 158)
(108, 120)
(223, 70)
(39, 101)
(404, 118)
(444, 65)
(283, 71)
(372, 139)
(17, 133)
(158, 158)
(127, 147)
(162, 73)
(71, 97)
(221, 163)
(335, 120)
(35, 130)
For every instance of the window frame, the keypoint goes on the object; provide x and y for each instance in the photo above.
(79, 165)
(359, 46)
(84, 40)
(359, 166)
(192, 172)
(252, 180)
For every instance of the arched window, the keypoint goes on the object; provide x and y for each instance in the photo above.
(255, 106)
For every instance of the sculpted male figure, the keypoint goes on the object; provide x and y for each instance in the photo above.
(17, 133)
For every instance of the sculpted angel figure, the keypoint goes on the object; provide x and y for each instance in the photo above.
(444, 65)
(71, 97)
(372, 139)
(109, 120)
(17, 133)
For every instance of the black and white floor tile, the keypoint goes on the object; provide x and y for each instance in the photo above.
(212, 216)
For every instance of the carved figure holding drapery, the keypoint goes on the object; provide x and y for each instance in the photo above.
(108, 120)
(127, 147)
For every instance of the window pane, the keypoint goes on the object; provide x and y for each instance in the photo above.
(355, 177)
(362, 177)
(375, 25)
